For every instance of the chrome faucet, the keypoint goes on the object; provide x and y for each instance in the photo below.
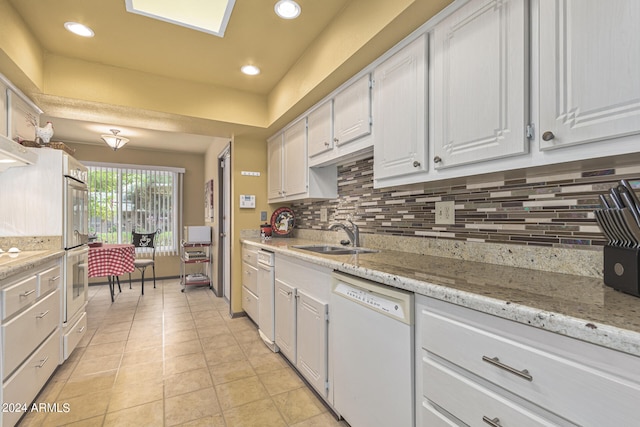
(353, 232)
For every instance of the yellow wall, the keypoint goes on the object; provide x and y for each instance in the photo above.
(166, 266)
(246, 155)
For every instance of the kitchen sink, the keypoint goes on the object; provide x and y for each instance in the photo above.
(335, 250)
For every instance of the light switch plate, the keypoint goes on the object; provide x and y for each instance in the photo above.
(446, 212)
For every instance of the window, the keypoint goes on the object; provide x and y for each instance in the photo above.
(126, 198)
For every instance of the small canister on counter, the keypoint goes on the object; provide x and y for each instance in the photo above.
(265, 231)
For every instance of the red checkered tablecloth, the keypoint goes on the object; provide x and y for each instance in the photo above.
(111, 260)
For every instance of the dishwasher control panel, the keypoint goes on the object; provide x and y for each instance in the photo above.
(382, 303)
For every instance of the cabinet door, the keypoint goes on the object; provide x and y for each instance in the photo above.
(312, 341)
(589, 71)
(285, 307)
(481, 83)
(352, 112)
(274, 156)
(295, 159)
(22, 119)
(320, 130)
(399, 127)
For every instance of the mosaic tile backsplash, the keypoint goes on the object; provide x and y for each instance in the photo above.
(549, 210)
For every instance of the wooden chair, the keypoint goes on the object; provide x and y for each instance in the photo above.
(144, 240)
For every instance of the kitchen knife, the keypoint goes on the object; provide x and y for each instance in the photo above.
(608, 220)
(633, 226)
(626, 198)
(629, 239)
(632, 193)
(617, 200)
(604, 202)
(604, 226)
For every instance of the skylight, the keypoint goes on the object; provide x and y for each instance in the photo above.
(209, 16)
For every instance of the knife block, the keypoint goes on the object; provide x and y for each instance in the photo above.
(622, 269)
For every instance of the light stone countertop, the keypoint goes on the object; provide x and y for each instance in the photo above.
(12, 264)
(575, 306)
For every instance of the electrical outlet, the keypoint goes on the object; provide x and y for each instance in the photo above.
(263, 215)
(445, 212)
(323, 215)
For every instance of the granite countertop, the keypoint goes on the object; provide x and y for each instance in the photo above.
(11, 264)
(575, 306)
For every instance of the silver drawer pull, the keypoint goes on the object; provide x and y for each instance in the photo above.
(495, 422)
(26, 294)
(496, 362)
(42, 362)
(81, 330)
(41, 315)
(53, 279)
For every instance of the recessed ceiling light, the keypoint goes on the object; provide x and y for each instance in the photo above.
(287, 9)
(79, 29)
(250, 70)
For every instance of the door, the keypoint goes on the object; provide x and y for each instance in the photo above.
(400, 108)
(312, 346)
(285, 307)
(352, 112)
(295, 159)
(589, 71)
(223, 288)
(481, 83)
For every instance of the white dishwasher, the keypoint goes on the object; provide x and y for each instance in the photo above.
(371, 347)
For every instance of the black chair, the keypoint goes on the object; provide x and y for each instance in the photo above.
(145, 240)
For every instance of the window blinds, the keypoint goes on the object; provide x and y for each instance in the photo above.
(126, 198)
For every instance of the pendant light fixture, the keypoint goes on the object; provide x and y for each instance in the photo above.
(114, 141)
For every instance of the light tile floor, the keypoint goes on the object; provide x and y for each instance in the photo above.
(171, 358)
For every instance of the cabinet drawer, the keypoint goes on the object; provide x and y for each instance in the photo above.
(250, 277)
(250, 303)
(73, 335)
(19, 296)
(49, 280)
(470, 402)
(22, 334)
(430, 417)
(250, 256)
(553, 382)
(26, 383)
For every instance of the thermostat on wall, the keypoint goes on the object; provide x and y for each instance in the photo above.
(247, 201)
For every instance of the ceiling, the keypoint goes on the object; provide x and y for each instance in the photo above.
(127, 42)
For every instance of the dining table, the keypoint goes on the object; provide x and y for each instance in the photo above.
(111, 260)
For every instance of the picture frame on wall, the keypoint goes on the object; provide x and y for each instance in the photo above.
(208, 200)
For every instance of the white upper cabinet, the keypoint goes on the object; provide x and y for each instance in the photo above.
(3, 109)
(22, 120)
(352, 112)
(481, 83)
(290, 178)
(400, 113)
(320, 132)
(274, 167)
(295, 159)
(589, 71)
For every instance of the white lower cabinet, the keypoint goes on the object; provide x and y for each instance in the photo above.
(30, 335)
(477, 369)
(301, 322)
(250, 295)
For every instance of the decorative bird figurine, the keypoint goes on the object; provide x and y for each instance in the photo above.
(45, 133)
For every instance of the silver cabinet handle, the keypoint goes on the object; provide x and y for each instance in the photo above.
(496, 362)
(27, 293)
(42, 362)
(495, 422)
(53, 279)
(41, 315)
(248, 272)
(548, 136)
(326, 144)
(416, 164)
(81, 330)
(437, 159)
(336, 140)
